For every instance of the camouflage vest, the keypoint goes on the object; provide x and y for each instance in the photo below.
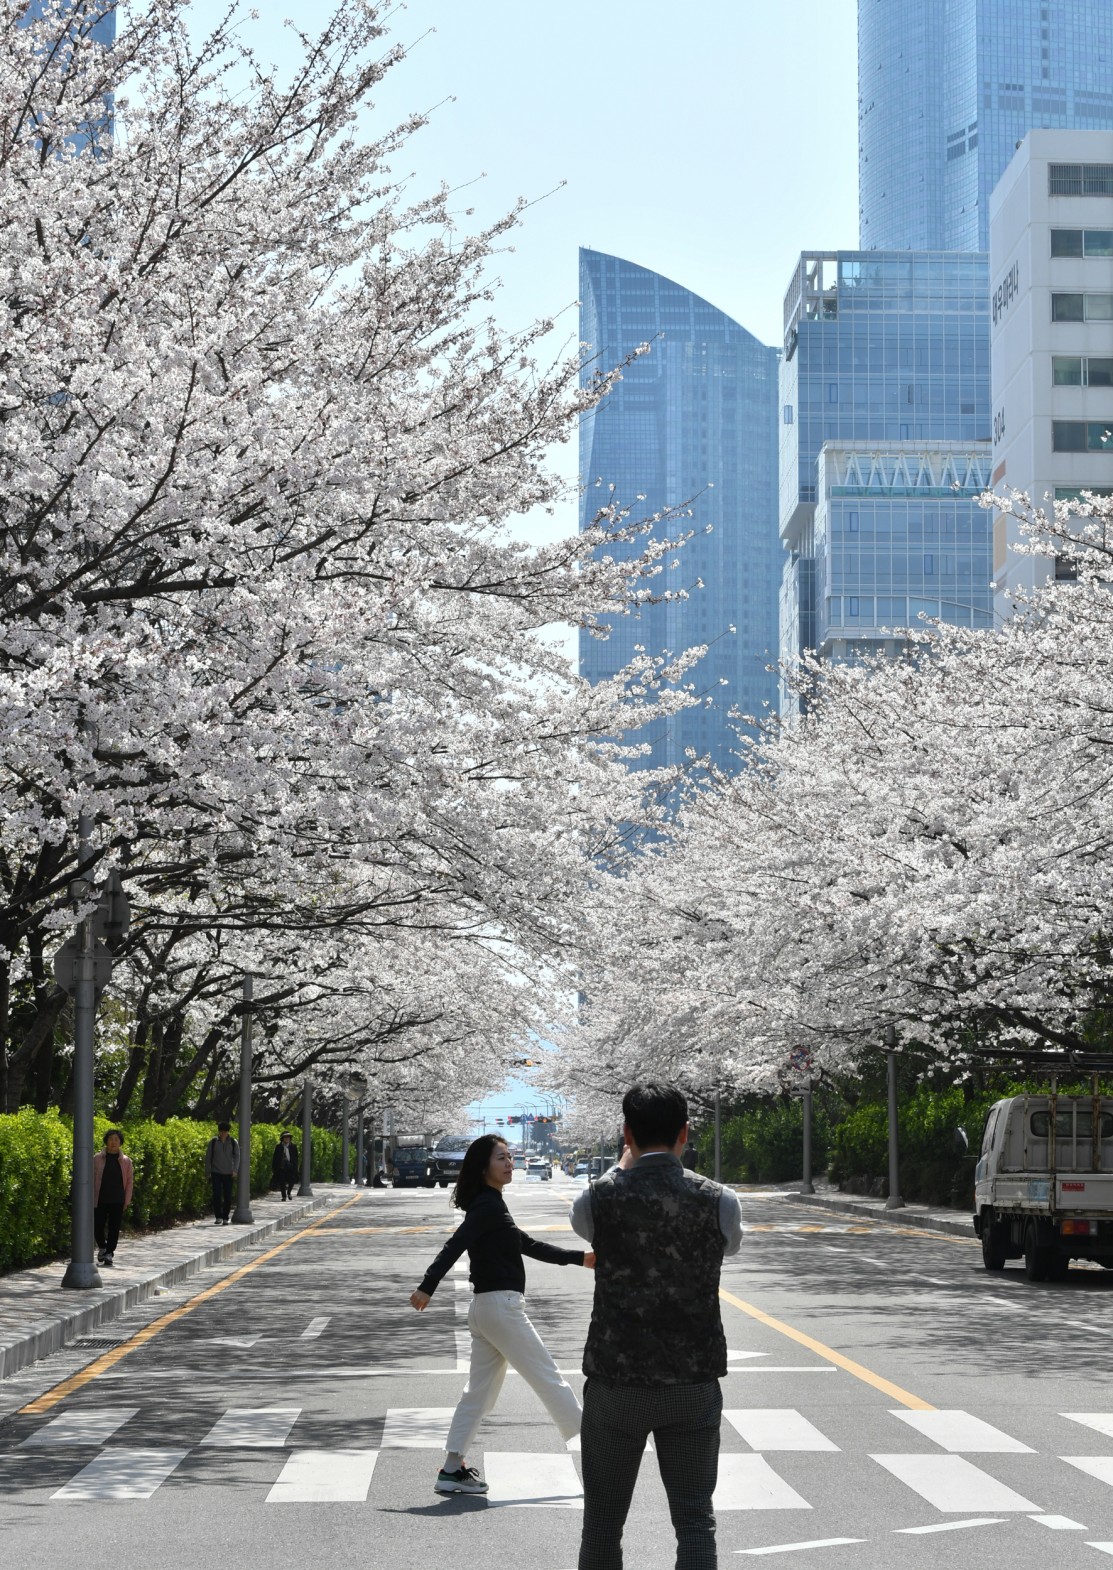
(659, 1249)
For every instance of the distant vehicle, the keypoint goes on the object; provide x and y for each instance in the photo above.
(537, 1166)
(520, 1162)
(1043, 1186)
(581, 1169)
(413, 1167)
(448, 1157)
(599, 1164)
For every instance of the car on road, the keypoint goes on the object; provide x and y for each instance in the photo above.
(519, 1162)
(538, 1167)
(413, 1167)
(581, 1169)
(448, 1158)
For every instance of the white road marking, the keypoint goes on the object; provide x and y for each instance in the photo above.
(242, 1342)
(122, 1474)
(733, 1357)
(1102, 1548)
(748, 1482)
(417, 1427)
(789, 1368)
(253, 1428)
(795, 1548)
(463, 1284)
(776, 1428)
(532, 1478)
(953, 1485)
(960, 1432)
(575, 1445)
(463, 1306)
(81, 1428)
(1101, 1421)
(463, 1351)
(950, 1526)
(324, 1477)
(1100, 1467)
(1058, 1523)
(314, 1327)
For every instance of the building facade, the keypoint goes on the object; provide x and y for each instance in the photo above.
(947, 88)
(1051, 259)
(885, 414)
(692, 422)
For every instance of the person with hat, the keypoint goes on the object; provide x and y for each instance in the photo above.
(284, 1164)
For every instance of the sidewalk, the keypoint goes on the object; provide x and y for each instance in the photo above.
(37, 1317)
(932, 1218)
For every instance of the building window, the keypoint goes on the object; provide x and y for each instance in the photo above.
(1066, 370)
(832, 392)
(1082, 436)
(852, 523)
(1068, 308)
(1099, 372)
(1080, 179)
(1097, 242)
(1099, 307)
(1066, 242)
(852, 605)
(929, 564)
(789, 415)
(1073, 493)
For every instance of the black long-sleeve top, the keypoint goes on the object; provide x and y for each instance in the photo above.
(495, 1247)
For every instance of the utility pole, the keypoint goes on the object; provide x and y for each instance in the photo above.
(894, 1201)
(306, 1189)
(718, 1137)
(807, 1186)
(81, 1272)
(345, 1154)
(242, 1215)
(360, 1175)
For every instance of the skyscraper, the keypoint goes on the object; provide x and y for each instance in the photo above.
(947, 89)
(695, 419)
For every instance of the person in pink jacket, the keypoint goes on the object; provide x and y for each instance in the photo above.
(113, 1181)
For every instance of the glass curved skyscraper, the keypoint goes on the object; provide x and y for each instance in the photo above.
(946, 91)
(694, 420)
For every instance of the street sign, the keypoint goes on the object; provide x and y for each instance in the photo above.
(112, 917)
(65, 965)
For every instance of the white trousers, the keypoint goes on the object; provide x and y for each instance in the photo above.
(502, 1336)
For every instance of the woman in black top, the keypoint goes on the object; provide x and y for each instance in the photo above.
(501, 1335)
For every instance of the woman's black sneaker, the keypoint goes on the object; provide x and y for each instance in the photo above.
(466, 1480)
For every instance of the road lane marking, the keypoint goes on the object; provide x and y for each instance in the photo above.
(1101, 1421)
(314, 1327)
(77, 1381)
(1102, 1548)
(532, 1479)
(463, 1351)
(776, 1428)
(847, 1364)
(961, 1433)
(253, 1428)
(417, 1427)
(950, 1526)
(1100, 1467)
(1058, 1523)
(953, 1485)
(324, 1477)
(796, 1548)
(748, 1482)
(81, 1428)
(122, 1474)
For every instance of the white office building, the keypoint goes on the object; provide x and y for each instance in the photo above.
(1051, 298)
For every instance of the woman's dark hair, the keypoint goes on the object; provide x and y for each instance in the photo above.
(118, 1133)
(473, 1169)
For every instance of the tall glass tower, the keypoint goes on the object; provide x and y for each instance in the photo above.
(946, 91)
(693, 420)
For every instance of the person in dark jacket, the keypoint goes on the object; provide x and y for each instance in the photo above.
(284, 1164)
(655, 1348)
(501, 1335)
(113, 1182)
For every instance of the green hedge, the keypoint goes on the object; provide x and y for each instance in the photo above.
(36, 1161)
(766, 1144)
(931, 1172)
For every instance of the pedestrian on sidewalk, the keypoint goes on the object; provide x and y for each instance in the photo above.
(222, 1164)
(655, 1347)
(113, 1184)
(501, 1334)
(284, 1164)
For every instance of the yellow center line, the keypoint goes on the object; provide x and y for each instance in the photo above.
(367, 1231)
(866, 1375)
(109, 1360)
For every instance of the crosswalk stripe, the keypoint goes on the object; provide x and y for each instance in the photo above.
(1058, 1523)
(1102, 1548)
(748, 1482)
(953, 1485)
(253, 1428)
(463, 1351)
(416, 1427)
(795, 1548)
(314, 1327)
(532, 1478)
(1100, 1467)
(324, 1477)
(1101, 1421)
(776, 1428)
(122, 1474)
(81, 1428)
(960, 1432)
(948, 1526)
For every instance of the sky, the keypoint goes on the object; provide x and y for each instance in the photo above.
(711, 141)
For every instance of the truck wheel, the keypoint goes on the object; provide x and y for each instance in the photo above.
(1038, 1258)
(993, 1243)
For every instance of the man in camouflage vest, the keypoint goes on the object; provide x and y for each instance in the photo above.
(655, 1350)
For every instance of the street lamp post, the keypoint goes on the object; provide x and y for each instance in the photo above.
(81, 1272)
(360, 1172)
(807, 1186)
(718, 1137)
(242, 1215)
(306, 1189)
(345, 1155)
(894, 1201)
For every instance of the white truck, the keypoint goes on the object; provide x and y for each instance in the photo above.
(1043, 1185)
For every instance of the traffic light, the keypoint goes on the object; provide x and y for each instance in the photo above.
(513, 1120)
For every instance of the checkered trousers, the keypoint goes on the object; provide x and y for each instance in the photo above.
(684, 1421)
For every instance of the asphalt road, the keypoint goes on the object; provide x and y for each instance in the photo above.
(889, 1404)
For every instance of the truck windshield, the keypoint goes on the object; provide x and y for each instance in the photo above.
(1064, 1124)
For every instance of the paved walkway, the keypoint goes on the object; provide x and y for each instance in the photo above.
(37, 1316)
(935, 1218)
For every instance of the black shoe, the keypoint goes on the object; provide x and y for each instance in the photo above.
(465, 1480)
(100, 1256)
(107, 1260)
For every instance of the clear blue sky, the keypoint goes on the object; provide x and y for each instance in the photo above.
(710, 140)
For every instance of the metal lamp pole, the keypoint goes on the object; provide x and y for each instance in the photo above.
(81, 1272)
(807, 1186)
(242, 1216)
(894, 1201)
(361, 1178)
(345, 1157)
(718, 1137)
(306, 1189)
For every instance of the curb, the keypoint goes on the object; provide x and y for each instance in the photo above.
(909, 1217)
(50, 1335)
